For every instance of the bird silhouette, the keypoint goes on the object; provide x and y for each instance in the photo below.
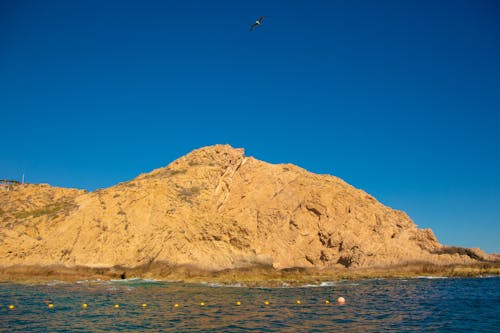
(257, 23)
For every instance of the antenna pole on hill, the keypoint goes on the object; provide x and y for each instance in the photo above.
(22, 182)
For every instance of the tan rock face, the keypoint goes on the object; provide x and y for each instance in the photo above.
(214, 208)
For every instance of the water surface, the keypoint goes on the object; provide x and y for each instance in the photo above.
(396, 305)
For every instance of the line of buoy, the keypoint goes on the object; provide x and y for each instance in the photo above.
(341, 301)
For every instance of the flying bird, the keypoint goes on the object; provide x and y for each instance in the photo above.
(257, 23)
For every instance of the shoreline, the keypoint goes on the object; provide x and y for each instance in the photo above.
(250, 277)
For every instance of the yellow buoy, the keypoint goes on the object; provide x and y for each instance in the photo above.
(11, 307)
(84, 305)
(327, 302)
(266, 302)
(298, 301)
(116, 306)
(50, 305)
(202, 304)
(341, 300)
(144, 305)
(176, 305)
(238, 303)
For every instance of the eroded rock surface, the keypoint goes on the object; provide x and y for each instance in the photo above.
(213, 209)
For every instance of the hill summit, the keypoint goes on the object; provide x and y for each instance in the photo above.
(215, 209)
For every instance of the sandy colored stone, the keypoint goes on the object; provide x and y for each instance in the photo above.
(215, 209)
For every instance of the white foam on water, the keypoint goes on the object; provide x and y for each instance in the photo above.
(55, 283)
(430, 277)
(222, 285)
(315, 285)
(327, 284)
(133, 280)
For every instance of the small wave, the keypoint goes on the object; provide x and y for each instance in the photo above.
(318, 285)
(309, 286)
(55, 283)
(134, 280)
(222, 285)
(430, 277)
(88, 281)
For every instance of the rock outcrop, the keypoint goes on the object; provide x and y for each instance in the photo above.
(215, 209)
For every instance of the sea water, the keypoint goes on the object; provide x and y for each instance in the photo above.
(393, 305)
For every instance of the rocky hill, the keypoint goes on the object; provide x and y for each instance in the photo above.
(215, 209)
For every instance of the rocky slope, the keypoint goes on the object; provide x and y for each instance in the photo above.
(215, 209)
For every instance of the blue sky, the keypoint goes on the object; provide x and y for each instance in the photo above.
(398, 98)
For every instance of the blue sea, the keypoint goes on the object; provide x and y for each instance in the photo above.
(392, 305)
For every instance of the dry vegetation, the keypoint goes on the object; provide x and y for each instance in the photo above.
(51, 210)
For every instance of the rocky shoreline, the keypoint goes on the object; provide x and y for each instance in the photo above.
(252, 276)
(218, 215)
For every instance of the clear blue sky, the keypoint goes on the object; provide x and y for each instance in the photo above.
(398, 98)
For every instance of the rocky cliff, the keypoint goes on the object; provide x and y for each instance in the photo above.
(215, 209)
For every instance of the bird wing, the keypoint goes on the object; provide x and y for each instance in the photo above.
(261, 19)
(253, 26)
